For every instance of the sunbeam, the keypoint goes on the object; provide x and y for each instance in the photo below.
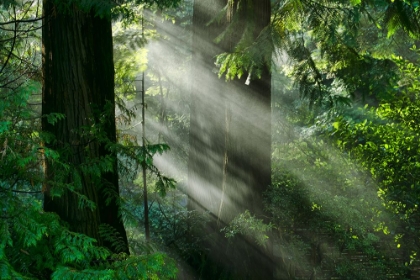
(227, 137)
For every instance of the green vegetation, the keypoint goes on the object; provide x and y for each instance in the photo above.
(338, 199)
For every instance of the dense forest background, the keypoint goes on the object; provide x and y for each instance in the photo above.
(209, 139)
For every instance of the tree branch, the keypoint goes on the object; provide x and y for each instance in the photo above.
(21, 21)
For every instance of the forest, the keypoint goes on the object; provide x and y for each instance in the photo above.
(210, 139)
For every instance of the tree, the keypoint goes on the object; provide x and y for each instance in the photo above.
(79, 84)
(230, 122)
(36, 244)
(78, 70)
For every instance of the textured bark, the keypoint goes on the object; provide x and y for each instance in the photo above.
(207, 121)
(78, 75)
(230, 139)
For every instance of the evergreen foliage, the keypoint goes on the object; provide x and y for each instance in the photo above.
(358, 208)
(35, 244)
(253, 47)
(326, 214)
(249, 226)
(345, 184)
(385, 142)
(325, 41)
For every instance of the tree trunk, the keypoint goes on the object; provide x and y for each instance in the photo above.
(230, 138)
(78, 75)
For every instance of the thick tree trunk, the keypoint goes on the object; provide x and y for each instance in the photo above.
(207, 121)
(78, 75)
(230, 139)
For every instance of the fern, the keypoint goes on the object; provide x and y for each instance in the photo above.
(155, 266)
(35, 244)
(110, 234)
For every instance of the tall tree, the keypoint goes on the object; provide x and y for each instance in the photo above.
(230, 132)
(78, 91)
(78, 76)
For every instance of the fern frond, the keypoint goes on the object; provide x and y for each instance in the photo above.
(111, 235)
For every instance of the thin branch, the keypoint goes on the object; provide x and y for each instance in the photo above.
(32, 28)
(12, 47)
(21, 21)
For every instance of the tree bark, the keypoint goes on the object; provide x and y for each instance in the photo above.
(78, 75)
(230, 138)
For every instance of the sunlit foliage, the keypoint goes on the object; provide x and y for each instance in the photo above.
(345, 179)
(385, 142)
